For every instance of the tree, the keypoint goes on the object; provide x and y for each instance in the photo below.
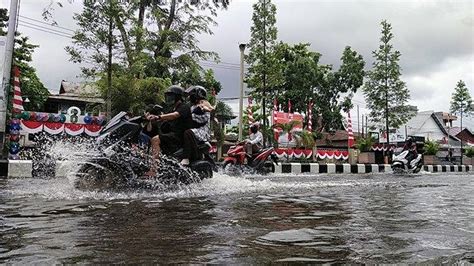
(262, 73)
(461, 103)
(168, 49)
(31, 86)
(342, 83)
(386, 95)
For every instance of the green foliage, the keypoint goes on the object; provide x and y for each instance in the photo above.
(306, 138)
(31, 86)
(133, 94)
(263, 68)
(152, 41)
(333, 85)
(431, 147)
(293, 72)
(461, 101)
(385, 93)
(365, 144)
(469, 152)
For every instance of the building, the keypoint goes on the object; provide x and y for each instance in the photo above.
(84, 96)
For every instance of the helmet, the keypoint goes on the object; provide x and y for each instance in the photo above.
(174, 94)
(196, 93)
(254, 127)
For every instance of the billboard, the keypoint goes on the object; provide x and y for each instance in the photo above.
(283, 118)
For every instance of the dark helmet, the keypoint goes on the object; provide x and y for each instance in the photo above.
(196, 93)
(173, 94)
(409, 141)
(254, 127)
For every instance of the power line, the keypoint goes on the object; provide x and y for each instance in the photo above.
(36, 25)
(42, 22)
(43, 30)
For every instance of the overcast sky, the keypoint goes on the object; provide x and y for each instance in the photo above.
(436, 39)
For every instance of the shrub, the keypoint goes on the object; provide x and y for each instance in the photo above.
(431, 147)
(469, 152)
(365, 144)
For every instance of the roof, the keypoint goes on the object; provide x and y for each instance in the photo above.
(78, 89)
(77, 98)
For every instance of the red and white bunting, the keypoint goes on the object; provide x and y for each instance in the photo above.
(92, 130)
(53, 128)
(350, 134)
(17, 99)
(321, 154)
(31, 127)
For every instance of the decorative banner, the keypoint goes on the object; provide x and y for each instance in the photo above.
(249, 112)
(382, 147)
(53, 128)
(17, 100)
(31, 127)
(73, 129)
(322, 154)
(92, 130)
(310, 116)
(350, 134)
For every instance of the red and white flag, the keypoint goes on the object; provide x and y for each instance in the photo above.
(17, 99)
(350, 134)
(290, 113)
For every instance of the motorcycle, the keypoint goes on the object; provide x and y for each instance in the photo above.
(121, 163)
(400, 163)
(261, 162)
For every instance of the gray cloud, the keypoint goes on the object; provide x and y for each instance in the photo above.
(436, 39)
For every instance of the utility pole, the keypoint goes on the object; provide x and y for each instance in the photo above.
(241, 102)
(5, 82)
(109, 66)
(264, 70)
(363, 126)
(367, 126)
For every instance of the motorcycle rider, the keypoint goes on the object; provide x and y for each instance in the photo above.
(179, 120)
(411, 147)
(255, 141)
(201, 129)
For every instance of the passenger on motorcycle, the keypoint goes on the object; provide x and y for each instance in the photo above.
(411, 147)
(201, 127)
(178, 121)
(255, 141)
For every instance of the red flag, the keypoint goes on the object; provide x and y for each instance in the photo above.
(350, 134)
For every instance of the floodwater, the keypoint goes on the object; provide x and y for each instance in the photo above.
(311, 219)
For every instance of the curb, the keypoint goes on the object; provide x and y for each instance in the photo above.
(315, 168)
(23, 168)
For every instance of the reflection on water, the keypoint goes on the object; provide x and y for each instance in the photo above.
(313, 219)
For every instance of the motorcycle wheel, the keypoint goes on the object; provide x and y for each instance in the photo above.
(229, 168)
(90, 177)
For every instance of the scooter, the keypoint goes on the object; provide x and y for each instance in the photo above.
(120, 163)
(400, 163)
(261, 162)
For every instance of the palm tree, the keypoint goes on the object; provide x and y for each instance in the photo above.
(288, 129)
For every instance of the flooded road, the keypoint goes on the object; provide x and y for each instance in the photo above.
(318, 219)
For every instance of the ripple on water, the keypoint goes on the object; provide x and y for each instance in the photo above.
(304, 236)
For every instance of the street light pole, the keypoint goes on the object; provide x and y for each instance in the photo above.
(241, 102)
(5, 82)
